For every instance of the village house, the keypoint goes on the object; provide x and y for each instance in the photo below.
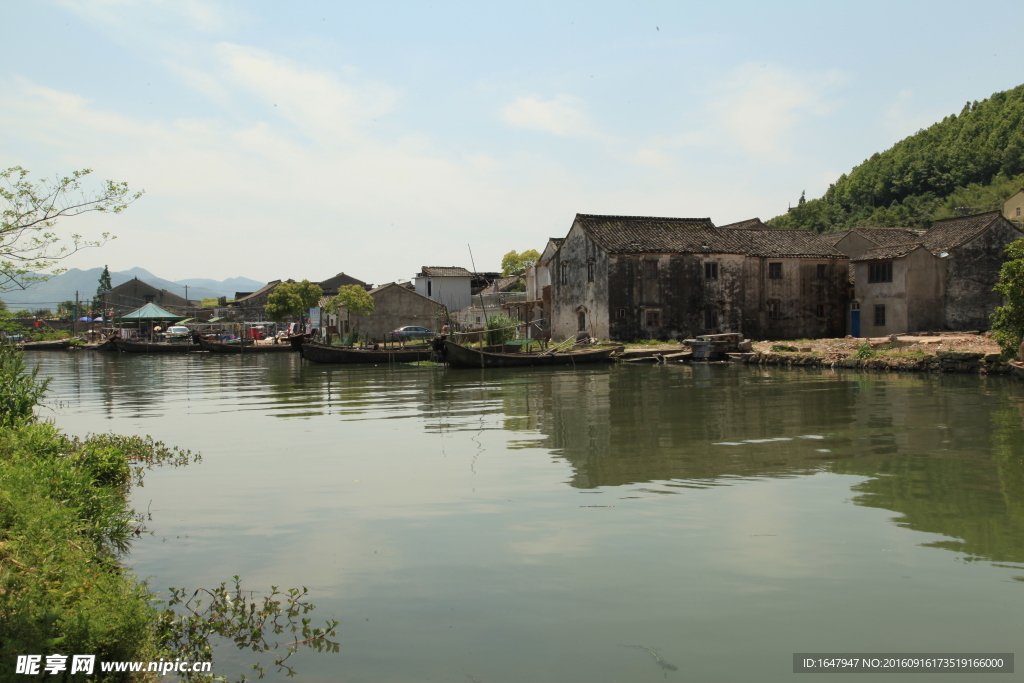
(448, 285)
(942, 279)
(331, 286)
(134, 293)
(250, 306)
(635, 277)
(394, 306)
(1013, 208)
(535, 309)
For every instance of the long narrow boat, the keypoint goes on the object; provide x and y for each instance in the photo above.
(321, 353)
(223, 347)
(155, 347)
(459, 356)
(54, 345)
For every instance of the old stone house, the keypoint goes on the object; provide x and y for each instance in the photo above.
(250, 306)
(330, 286)
(134, 293)
(448, 285)
(943, 279)
(394, 306)
(634, 277)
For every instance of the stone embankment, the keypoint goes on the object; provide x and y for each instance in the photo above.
(940, 361)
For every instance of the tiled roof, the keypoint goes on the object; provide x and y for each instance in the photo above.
(444, 271)
(644, 235)
(886, 236)
(833, 237)
(333, 284)
(262, 290)
(952, 232)
(747, 224)
(890, 251)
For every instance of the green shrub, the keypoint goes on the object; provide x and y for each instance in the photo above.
(865, 351)
(500, 329)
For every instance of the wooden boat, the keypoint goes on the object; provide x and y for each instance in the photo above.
(459, 356)
(229, 347)
(321, 353)
(155, 347)
(54, 345)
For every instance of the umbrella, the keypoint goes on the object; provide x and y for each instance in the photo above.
(86, 318)
(95, 320)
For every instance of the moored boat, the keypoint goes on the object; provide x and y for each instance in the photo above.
(321, 353)
(155, 347)
(228, 347)
(53, 345)
(460, 356)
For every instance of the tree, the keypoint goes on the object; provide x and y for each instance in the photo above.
(104, 286)
(513, 263)
(22, 313)
(29, 213)
(292, 299)
(1008, 319)
(66, 310)
(500, 328)
(41, 313)
(354, 299)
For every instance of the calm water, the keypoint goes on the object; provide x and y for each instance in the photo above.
(614, 523)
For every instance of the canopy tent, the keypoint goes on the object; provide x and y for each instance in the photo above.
(150, 313)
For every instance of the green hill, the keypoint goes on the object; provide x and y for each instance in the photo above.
(973, 160)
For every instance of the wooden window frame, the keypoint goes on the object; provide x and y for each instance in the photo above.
(564, 278)
(822, 271)
(590, 271)
(879, 315)
(652, 318)
(711, 270)
(650, 270)
(775, 270)
(710, 318)
(880, 272)
(774, 309)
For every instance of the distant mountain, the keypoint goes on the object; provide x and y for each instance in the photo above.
(63, 287)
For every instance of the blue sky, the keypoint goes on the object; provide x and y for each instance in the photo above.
(298, 140)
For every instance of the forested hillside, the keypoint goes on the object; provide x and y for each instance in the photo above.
(974, 159)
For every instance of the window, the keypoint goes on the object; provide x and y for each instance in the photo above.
(429, 287)
(774, 309)
(879, 315)
(710, 318)
(650, 270)
(822, 311)
(653, 318)
(581, 319)
(590, 271)
(880, 272)
(565, 273)
(822, 271)
(774, 271)
(622, 312)
(710, 270)
(1018, 212)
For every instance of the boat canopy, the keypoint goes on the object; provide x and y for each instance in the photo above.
(150, 312)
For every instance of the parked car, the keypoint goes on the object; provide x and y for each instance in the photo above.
(176, 332)
(409, 332)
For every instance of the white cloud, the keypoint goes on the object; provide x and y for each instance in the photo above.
(563, 115)
(759, 106)
(199, 14)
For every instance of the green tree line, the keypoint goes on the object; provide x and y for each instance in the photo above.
(973, 160)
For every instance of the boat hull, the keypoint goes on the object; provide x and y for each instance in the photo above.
(221, 347)
(461, 357)
(58, 345)
(155, 347)
(319, 353)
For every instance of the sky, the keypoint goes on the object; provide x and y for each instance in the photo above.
(303, 139)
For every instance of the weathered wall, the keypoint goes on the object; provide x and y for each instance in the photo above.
(892, 295)
(972, 270)
(854, 245)
(926, 290)
(577, 293)
(394, 307)
(130, 295)
(798, 293)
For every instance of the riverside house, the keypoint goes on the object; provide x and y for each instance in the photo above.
(940, 279)
(135, 293)
(636, 277)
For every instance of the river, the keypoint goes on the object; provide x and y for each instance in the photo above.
(608, 523)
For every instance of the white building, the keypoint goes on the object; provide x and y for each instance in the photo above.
(450, 286)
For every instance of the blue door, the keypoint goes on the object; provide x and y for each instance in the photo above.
(855, 319)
